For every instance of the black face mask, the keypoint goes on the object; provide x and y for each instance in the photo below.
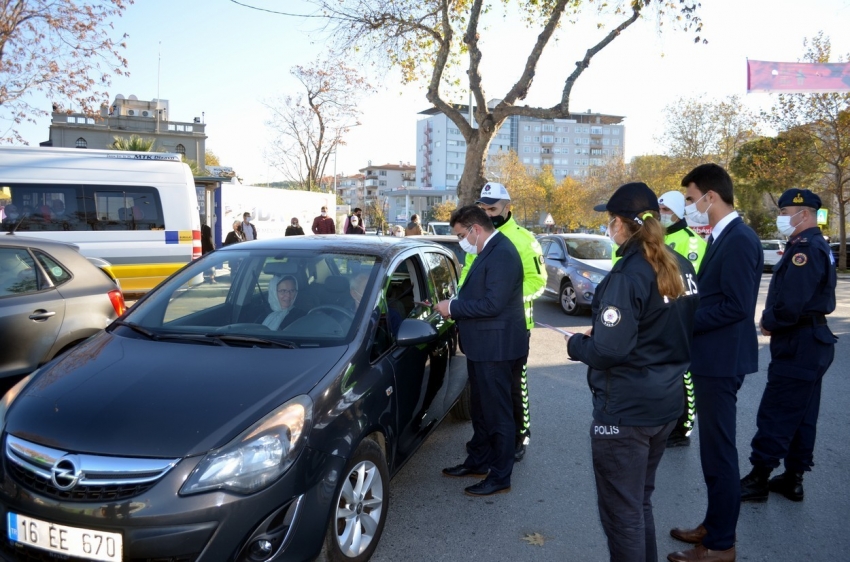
(498, 220)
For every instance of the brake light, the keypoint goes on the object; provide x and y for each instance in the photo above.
(117, 300)
(780, 252)
(196, 244)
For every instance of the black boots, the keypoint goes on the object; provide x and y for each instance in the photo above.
(754, 486)
(789, 484)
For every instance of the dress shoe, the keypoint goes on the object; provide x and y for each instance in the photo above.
(754, 487)
(486, 488)
(519, 453)
(693, 536)
(789, 484)
(678, 440)
(702, 554)
(459, 471)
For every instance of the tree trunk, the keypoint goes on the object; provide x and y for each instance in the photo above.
(473, 178)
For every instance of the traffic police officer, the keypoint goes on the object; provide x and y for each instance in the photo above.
(692, 247)
(496, 202)
(802, 347)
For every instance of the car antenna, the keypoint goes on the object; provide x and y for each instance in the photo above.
(23, 216)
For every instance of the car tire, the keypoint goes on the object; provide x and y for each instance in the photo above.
(462, 410)
(360, 509)
(568, 299)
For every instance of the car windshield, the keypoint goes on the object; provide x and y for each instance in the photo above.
(292, 298)
(441, 229)
(589, 249)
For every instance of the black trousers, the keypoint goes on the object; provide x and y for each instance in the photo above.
(625, 459)
(492, 444)
(716, 400)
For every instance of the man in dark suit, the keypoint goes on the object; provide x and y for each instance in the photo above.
(725, 348)
(489, 313)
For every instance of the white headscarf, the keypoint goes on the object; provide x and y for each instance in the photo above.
(274, 319)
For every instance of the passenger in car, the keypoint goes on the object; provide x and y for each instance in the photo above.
(282, 294)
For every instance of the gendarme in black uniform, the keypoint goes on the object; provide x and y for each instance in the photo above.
(802, 347)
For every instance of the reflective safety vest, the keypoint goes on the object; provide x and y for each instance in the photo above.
(689, 244)
(533, 267)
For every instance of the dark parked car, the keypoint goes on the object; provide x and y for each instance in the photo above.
(192, 430)
(51, 299)
(835, 246)
(575, 265)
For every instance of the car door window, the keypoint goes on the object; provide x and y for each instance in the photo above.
(17, 272)
(54, 269)
(544, 246)
(441, 277)
(555, 251)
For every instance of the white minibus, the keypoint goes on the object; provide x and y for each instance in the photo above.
(136, 210)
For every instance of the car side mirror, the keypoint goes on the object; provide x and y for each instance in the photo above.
(414, 332)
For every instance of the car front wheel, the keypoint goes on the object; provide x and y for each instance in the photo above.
(568, 299)
(360, 510)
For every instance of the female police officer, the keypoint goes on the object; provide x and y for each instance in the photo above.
(636, 352)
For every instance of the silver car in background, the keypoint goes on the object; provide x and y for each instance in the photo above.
(773, 250)
(51, 299)
(575, 265)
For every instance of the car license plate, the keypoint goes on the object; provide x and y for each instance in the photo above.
(70, 541)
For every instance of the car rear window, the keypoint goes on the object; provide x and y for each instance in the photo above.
(54, 269)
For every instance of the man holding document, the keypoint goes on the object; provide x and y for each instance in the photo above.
(636, 352)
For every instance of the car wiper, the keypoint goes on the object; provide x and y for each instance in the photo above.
(135, 327)
(224, 338)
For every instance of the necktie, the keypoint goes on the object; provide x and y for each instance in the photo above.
(710, 241)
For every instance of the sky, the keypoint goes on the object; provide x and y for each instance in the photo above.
(221, 61)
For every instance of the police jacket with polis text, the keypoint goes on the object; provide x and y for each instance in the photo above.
(640, 344)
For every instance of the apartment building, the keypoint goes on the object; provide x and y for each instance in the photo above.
(573, 147)
(126, 117)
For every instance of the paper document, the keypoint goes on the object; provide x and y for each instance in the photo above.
(560, 331)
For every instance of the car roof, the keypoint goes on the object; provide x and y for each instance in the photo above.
(42, 243)
(385, 246)
(579, 235)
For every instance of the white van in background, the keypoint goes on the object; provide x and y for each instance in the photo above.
(136, 210)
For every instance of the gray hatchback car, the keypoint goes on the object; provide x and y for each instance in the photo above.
(575, 265)
(51, 298)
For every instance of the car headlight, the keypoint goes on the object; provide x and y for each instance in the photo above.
(258, 456)
(594, 277)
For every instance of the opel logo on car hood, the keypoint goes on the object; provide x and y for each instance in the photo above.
(66, 473)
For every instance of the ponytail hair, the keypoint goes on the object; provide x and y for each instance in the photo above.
(648, 231)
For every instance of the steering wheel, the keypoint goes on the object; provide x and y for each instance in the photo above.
(334, 308)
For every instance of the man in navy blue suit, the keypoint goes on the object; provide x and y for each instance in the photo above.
(725, 348)
(490, 316)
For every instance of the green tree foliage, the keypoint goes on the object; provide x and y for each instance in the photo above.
(442, 212)
(62, 48)
(210, 158)
(134, 143)
(429, 40)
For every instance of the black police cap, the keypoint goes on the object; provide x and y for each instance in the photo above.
(630, 199)
(799, 198)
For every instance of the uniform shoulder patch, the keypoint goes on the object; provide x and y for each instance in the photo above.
(693, 256)
(799, 259)
(610, 316)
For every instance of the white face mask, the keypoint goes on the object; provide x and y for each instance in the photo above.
(609, 231)
(353, 221)
(696, 217)
(247, 219)
(666, 219)
(324, 214)
(468, 247)
(784, 226)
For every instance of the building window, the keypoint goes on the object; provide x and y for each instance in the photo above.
(615, 142)
(526, 128)
(81, 143)
(537, 128)
(180, 149)
(548, 138)
(382, 183)
(526, 138)
(549, 128)
(526, 160)
(615, 131)
(526, 149)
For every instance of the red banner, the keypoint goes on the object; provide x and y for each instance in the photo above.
(798, 77)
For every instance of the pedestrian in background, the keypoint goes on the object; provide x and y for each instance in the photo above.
(724, 349)
(355, 227)
(358, 215)
(496, 202)
(398, 231)
(636, 351)
(802, 347)
(323, 224)
(249, 231)
(207, 246)
(413, 227)
(234, 236)
(692, 247)
(294, 229)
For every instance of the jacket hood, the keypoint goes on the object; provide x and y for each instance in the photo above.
(130, 397)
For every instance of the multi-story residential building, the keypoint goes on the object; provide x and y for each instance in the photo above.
(573, 147)
(124, 118)
(350, 190)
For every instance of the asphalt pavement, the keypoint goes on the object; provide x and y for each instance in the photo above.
(550, 513)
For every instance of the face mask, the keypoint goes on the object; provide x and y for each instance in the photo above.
(353, 222)
(324, 214)
(498, 220)
(783, 224)
(696, 217)
(468, 247)
(247, 219)
(608, 231)
(295, 224)
(666, 219)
